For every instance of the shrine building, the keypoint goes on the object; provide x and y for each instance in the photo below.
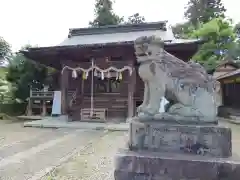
(97, 70)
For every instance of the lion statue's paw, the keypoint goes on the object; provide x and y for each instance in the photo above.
(140, 108)
(150, 111)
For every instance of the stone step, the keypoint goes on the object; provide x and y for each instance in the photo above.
(206, 140)
(107, 102)
(146, 165)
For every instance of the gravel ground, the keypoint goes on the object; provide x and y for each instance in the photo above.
(93, 163)
(31, 151)
(96, 162)
(14, 133)
(235, 137)
(25, 152)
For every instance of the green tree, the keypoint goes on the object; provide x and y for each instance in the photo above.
(234, 53)
(237, 30)
(183, 30)
(104, 14)
(203, 11)
(23, 74)
(5, 88)
(219, 39)
(135, 19)
(5, 50)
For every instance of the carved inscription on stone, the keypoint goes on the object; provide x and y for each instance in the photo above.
(201, 140)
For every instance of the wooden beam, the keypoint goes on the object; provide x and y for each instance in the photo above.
(64, 87)
(131, 91)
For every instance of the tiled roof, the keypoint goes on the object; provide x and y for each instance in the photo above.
(228, 62)
(120, 34)
(113, 38)
(232, 73)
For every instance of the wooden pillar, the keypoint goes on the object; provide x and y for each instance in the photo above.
(131, 91)
(82, 86)
(220, 94)
(29, 107)
(64, 92)
(44, 108)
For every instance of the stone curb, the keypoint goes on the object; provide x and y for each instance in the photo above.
(232, 121)
(104, 127)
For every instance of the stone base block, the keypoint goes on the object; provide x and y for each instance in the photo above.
(143, 165)
(156, 136)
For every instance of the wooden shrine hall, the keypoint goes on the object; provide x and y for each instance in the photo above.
(97, 69)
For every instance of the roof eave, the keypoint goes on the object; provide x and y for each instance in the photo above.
(125, 43)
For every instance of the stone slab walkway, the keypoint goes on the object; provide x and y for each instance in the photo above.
(34, 151)
(58, 123)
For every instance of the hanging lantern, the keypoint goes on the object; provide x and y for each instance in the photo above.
(74, 74)
(120, 76)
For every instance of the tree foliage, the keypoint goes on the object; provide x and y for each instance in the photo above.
(237, 30)
(5, 50)
(206, 20)
(183, 30)
(104, 14)
(198, 12)
(219, 37)
(24, 74)
(5, 88)
(135, 19)
(204, 11)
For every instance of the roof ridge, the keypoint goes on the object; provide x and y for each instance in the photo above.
(161, 25)
(227, 61)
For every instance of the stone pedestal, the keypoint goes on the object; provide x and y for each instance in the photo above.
(207, 140)
(165, 151)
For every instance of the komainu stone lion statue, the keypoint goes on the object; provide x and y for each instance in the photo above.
(187, 86)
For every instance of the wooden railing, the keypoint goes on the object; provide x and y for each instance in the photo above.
(42, 94)
(45, 94)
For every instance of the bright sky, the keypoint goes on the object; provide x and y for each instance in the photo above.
(46, 22)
